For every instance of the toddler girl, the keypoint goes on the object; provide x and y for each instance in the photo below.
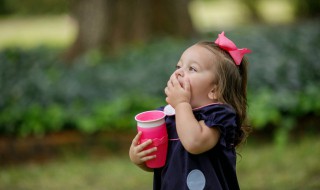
(208, 94)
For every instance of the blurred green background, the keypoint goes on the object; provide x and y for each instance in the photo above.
(73, 74)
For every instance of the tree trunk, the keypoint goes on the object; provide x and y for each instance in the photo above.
(108, 25)
(307, 8)
(253, 10)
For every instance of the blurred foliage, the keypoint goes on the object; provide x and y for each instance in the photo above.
(303, 8)
(284, 78)
(34, 7)
(39, 93)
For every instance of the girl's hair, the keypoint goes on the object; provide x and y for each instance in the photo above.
(231, 86)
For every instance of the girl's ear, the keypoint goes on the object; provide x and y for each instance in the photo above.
(213, 95)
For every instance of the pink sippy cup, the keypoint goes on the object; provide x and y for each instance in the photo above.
(153, 126)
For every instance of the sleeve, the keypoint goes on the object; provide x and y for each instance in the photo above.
(160, 108)
(224, 118)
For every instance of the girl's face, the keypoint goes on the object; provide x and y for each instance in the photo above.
(197, 65)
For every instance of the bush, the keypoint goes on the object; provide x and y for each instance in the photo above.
(40, 93)
(284, 78)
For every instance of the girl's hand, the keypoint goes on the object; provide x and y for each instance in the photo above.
(177, 92)
(137, 153)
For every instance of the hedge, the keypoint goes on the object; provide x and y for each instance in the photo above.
(42, 94)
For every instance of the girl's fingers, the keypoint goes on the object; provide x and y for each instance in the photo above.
(167, 100)
(143, 145)
(138, 154)
(186, 85)
(147, 152)
(169, 83)
(175, 82)
(147, 158)
(135, 141)
(151, 150)
(172, 80)
(144, 155)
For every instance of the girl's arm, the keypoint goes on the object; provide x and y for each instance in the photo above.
(196, 137)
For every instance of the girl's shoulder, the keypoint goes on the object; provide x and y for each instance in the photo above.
(215, 107)
(219, 115)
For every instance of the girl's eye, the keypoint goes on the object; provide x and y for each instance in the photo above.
(178, 67)
(192, 69)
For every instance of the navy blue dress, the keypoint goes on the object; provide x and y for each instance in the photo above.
(214, 169)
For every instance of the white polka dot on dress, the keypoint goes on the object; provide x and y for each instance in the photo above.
(196, 180)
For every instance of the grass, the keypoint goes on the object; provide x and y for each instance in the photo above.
(296, 166)
(116, 173)
(262, 166)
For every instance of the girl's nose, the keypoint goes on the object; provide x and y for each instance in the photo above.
(179, 72)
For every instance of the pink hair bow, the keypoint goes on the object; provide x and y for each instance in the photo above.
(237, 54)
